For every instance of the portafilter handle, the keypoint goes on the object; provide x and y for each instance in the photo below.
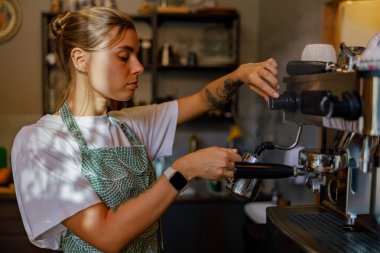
(264, 170)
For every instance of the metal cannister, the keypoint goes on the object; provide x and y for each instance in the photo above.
(245, 188)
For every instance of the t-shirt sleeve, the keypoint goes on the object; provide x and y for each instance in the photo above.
(49, 184)
(155, 126)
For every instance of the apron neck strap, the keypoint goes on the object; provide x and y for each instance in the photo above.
(72, 125)
(129, 133)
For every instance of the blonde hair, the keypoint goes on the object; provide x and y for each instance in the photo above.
(88, 29)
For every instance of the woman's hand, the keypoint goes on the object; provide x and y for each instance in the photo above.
(208, 163)
(261, 77)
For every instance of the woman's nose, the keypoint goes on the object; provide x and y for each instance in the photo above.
(137, 67)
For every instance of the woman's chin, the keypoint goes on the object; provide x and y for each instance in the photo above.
(125, 98)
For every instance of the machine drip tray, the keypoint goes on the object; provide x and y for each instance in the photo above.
(316, 229)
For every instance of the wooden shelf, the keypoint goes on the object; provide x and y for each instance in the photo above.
(230, 19)
(198, 67)
(226, 18)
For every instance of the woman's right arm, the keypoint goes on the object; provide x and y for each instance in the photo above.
(110, 230)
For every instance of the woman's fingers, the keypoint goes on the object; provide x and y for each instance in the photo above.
(271, 65)
(209, 163)
(232, 154)
(261, 77)
(261, 83)
(228, 174)
(268, 77)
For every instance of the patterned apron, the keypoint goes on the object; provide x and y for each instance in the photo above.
(117, 174)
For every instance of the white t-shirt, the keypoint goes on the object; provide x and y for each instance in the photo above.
(46, 163)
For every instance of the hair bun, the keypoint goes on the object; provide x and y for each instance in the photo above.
(57, 25)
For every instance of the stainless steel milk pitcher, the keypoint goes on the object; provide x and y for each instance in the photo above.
(243, 187)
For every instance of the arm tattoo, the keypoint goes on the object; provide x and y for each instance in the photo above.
(223, 95)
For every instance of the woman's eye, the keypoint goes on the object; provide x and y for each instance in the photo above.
(124, 58)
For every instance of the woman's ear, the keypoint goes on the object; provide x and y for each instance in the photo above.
(79, 57)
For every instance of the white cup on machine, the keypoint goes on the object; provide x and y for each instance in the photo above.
(319, 52)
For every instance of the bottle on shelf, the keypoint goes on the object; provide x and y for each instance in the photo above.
(146, 51)
(165, 56)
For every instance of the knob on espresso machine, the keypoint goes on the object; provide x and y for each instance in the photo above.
(308, 102)
(288, 101)
(349, 107)
(320, 103)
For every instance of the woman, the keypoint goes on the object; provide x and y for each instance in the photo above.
(84, 178)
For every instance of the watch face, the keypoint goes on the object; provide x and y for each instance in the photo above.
(178, 181)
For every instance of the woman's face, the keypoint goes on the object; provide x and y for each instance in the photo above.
(113, 72)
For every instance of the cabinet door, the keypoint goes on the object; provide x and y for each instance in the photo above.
(13, 237)
(180, 226)
(204, 228)
(222, 227)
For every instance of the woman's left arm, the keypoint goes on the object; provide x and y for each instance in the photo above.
(261, 78)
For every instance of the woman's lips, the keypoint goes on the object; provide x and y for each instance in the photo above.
(133, 85)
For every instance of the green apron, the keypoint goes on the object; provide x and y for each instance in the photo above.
(117, 174)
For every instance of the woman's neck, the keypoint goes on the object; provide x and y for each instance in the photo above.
(87, 107)
(85, 103)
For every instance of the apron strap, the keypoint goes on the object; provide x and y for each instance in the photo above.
(129, 133)
(71, 124)
(74, 130)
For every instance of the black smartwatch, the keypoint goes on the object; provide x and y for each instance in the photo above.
(176, 179)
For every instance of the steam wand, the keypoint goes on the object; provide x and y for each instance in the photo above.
(251, 168)
(248, 174)
(270, 145)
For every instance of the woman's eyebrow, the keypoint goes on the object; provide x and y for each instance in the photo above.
(127, 48)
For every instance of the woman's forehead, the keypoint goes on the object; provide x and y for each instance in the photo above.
(127, 38)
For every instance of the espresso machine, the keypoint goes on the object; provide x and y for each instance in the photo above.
(344, 173)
